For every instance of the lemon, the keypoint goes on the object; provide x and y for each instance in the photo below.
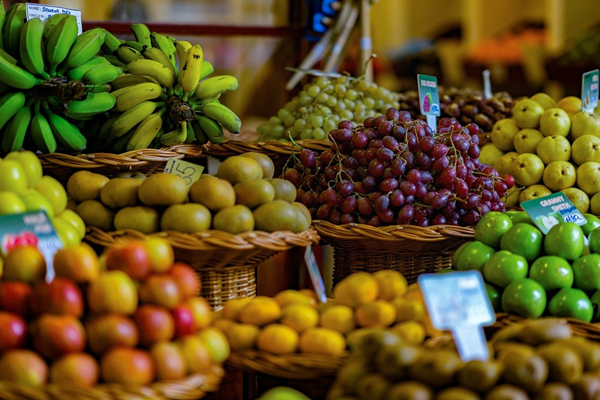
(241, 336)
(278, 339)
(356, 289)
(391, 284)
(233, 307)
(300, 317)
(290, 296)
(411, 332)
(378, 313)
(260, 311)
(338, 318)
(322, 341)
(408, 309)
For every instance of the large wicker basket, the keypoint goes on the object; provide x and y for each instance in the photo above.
(226, 263)
(411, 250)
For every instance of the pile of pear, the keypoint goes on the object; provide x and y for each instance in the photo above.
(548, 147)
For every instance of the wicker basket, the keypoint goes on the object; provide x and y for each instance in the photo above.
(411, 250)
(62, 166)
(194, 386)
(226, 263)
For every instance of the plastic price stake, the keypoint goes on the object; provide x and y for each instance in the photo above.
(186, 170)
(487, 85)
(429, 98)
(550, 210)
(315, 274)
(589, 91)
(44, 11)
(458, 302)
(33, 228)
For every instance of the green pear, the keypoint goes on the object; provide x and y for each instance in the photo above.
(586, 148)
(559, 175)
(555, 121)
(544, 100)
(571, 104)
(502, 164)
(526, 141)
(534, 192)
(585, 124)
(588, 178)
(527, 113)
(527, 169)
(503, 134)
(595, 204)
(490, 153)
(578, 198)
(554, 148)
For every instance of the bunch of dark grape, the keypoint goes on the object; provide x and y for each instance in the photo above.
(394, 170)
(465, 105)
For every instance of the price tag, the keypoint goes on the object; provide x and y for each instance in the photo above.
(33, 228)
(487, 85)
(458, 302)
(44, 11)
(186, 170)
(550, 210)
(315, 274)
(589, 91)
(429, 98)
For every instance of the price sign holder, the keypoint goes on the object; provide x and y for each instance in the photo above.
(552, 209)
(589, 91)
(429, 99)
(45, 11)
(186, 170)
(315, 274)
(487, 85)
(458, 302)
(33, 228)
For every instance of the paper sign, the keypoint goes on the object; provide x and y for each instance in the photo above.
(429, 98)
(186, 170)
(550, 210)
(589, 91)
(458, 302)
(32, 228)
(487, 85)
(315, 274)
(44, 11)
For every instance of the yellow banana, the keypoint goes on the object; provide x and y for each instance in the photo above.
(176, 136)
(191, 70)
(128, 54)
(104, 132)
(216, 85)
(207, 69)
(156, 54)
(181, 47)
(223, 115)
(41, 132)
(65, 132)
(152, 69)
(14, 132)
(211, 128)
(138, 94)
(166, 45)
(30, 47)
(145, 133)
(86, 46)
(125, 80)
(11, 30)
(142, 34)
(60, 42)
(132, 117)
(10, 104)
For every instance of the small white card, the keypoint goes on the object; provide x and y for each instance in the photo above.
(45, 11)
(189, 172)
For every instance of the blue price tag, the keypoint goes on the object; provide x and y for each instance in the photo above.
(315, 274)
(589, 91)
(551, 210)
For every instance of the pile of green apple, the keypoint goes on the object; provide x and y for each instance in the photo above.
(548, 147)
(531, 274)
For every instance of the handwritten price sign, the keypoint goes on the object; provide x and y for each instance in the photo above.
(189, 172)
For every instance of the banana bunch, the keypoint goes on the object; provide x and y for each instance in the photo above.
(165, 95)
(51, 78)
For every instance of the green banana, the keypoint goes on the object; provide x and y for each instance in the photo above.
(8, 57)
(101, 88)
(201, 137)
(190, 75)
(166, 45)
(114, 60)
(86, 46)
(130, 118)
(104, 132)
(223, 115)
(76, 74)
(137, 94)
(10, 104)
(30, 47)
(41, 132)
(11, 31)
(4, 88)
(176, 136)
(60, 42)
(101, 74)
(134, 45)
(15, 130)
(207, 69)
(145, 132)
(50, 25)
(65, 132)
(125, 80)
(111, 44)
(15, 76)
(142, 34)
(2, 20)
(121, 143)
(152, 69)
(211, 128)
(128, 54)
(216, 85)
(156, 54)
(94, 103)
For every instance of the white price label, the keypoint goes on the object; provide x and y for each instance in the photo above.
(45, 11)
(189, 172)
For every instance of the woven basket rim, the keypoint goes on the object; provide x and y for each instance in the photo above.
(269, 147)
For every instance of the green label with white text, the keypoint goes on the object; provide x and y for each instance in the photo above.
(551, 210)
(589, 91)
(429, 97)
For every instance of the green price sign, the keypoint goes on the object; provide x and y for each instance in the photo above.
(551, 210)
(429, 97)
(589, 91)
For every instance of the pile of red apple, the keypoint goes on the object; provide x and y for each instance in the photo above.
(131, 316)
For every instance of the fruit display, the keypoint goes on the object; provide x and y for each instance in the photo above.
(322, 104)
(24, 188)
(133, 320)
(292, 321)
(242, 197)
(530, 274)
(549, 147)
(465, 105)
(537, 360)
(394, 170)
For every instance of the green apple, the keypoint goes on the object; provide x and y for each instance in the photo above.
(503, 134)
(525, 298)
(527, 169)
(565, 240)
(52, 190)
(559, 175)
(527, 113)
(555, 121)
(12, 177)
(594, 241)
(35, 202)
(595, 204)
(491, 227)
(473, 256)
(571, 303)
(504, 267)
(533, 192)
(494, 295)
(489, 153)
(586, 271)
(592, 223)
(524, 240)
(503, 164)
(554, 148)
(579, 199)
(31, 165)
(571, 104)
(552, 273)
(11, 203)
(588, 178)
(519, 217)
(585, 124)
(586, 148)
(596, 303)
(544, 100)
(457, 252)
(527, 140)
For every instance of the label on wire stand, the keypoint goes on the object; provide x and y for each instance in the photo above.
(429, 99)
(45, 11)
(487, 85)
(589, 91)
(315, 274)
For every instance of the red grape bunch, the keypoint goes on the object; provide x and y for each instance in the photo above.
(395, 170)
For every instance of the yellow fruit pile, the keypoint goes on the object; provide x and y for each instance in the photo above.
(242, 197)
(292, 321)
(548, 147)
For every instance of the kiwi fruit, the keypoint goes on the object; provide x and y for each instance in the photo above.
(350, 373)
(435, 369)
(545, 330)
(529, 373)
(554, 391)
(479, 375)
(507, 352)
(506, 392)
(588, 387)
(564, 364)
(410, 390)
(588, 351)
(372, 387)
(456, 393)
(392, 361)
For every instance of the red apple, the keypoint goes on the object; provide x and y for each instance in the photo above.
(13, 331)
(161, 254)
(56, 335)
(128, 366)
(187, 279)
(14, 297)
(201, 311)
(185, 324)
(109, 330)
(112, 292)
(76, 368)
(154, 323)
(169, 360)
(161, 290)
(23, 367)
(131, 258)
(61, 296)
